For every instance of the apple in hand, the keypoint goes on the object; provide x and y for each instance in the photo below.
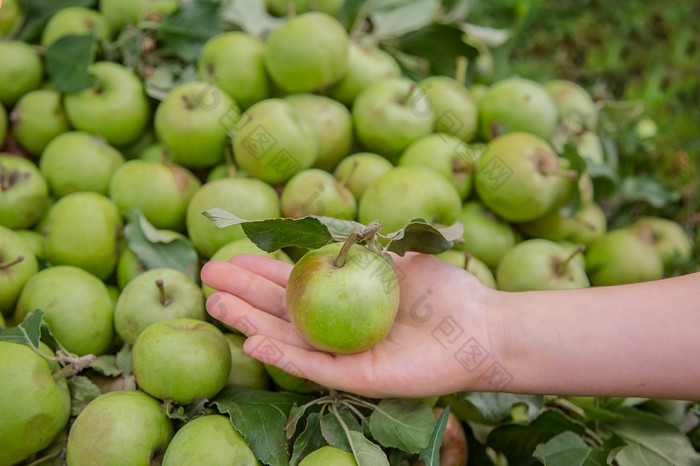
(156, 295)
(115, 107)
(24, 193)
(78, 161)
(328, 454)
(120, 427)
(17, 265)
(390, 114)
(181, 360)
(234, 61)
(76, 305)
(394, 200)
(342, 300)
(35, 407)
(209, 440)
(38, 117)
(667, 237)
(308, 52)
(194, 121)
(317, 192)
(22, 71)
(486, 236)
(75, 20)
(455, 109)
(357, 171)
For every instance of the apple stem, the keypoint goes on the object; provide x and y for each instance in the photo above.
(571, 174)
(349, 173)
(562, 265)
(188, 102)
(164, 298)
(586, 224)
(340, 259)
(461, 71)
(231, 167)
(409, 95)
(467, 258)
(8, 264)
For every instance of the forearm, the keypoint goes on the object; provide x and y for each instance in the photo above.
(633, 340)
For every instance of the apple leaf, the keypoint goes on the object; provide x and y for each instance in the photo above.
(577, 164)
(646, 189)
(399, 424)
(339, 228)
(82, 392)
(38, 13)
(251, 16)
(28, 332)
(366, 452)
(430, 455)
(495, 407)
(123, 360)
(106, 364)
(186, 30)
(335, 433)
(605, 179)
(402, 17)
(68, 62)
(420, 236)
(569, 448)
(308, 440)
(166, 77)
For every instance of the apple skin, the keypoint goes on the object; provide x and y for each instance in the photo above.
(357, 171)
(10, 16)
(290, 383)
(247, 198)
(667, 237)
(513, 177)
(390, 114)
(37, 118)
(75, 20)
(24, 193)
(76, 305)
(181, 360)
(327, 455)
(246, 371)
(117, 428)
(234, 61)
(194, 121)
(35, 407)
(140, 303)
(208, 440)
(474, 266)
(307, 53)
(317, 192)
(486, 236)
(447, 155)
(14, 277)
(366, 65)
(585, 226)
(574, 104)
(620, 257)
(128, 267)
(273, 143)
(541, 259)
(22, 71)
(84, 230)
(78, 161)
(119, 13)
(34, 240)
(331, 123)
(393, 200)
(160, 190)
(517, 105)
(344, 309)
(115, 107)
(3, 124)
(455, 109)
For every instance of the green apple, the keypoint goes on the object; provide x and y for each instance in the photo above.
(520, 177)
(290, 383)
(575, 107)
(22, 71)
(584, 226)
(455, 109)
(35, 406)
(115, 107)
(3, 124)
(342, 302)
(390, 114)
(34, 240)
(128, 267)
(394, 200)
(330, 122)
(486, 236)
(24, 193)
(366, 65)
(17, 265)
(10, 18)
(517, 105)
(76, 305)
(120, 13)
(75, 20)
(194, 121)
(225, 170)
(84, 230)
(156, 152)
(549, 266)
(272, 142)
(207, 441)
(317, 192)
(160, 190)
(246, 198)
(357, 171)
(470, 263)
(181, 360)
(37, 118)
(667, 237)
(234, 61)
(447, 155)
(246, 371)
(117, 428)
(620, 257)
(308, 52)
(77, 161)
(327, 455)
(153, 296)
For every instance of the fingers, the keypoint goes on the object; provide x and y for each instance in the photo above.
(274, 270)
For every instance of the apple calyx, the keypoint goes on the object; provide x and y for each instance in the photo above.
(164, 298)
(368, 233)
(10, 263)
(8, 178)
(561, 266)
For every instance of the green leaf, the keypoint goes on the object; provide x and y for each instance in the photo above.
(251, 16)
(338, 228)
(496, 407)
(38, 12)
(106, 364)
(568, 448)
(399, 424)
(335, 432)
(420, 236)
(605, 179)
(366, 453)
(646, 189)
(28, 332)
(402, 17)
(186, 30)
(157, 248)
(309, 439)
(260, 416)
(350, 12)
(123, 360)
(430, 455)
(577, 164)
(82, 392)
(68, 62)
(168, 76)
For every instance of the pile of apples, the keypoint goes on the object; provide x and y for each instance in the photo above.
(306, 122)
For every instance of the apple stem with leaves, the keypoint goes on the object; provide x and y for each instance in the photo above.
(8, 264)
(164, 298)
(562, 265)
(368, 233)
